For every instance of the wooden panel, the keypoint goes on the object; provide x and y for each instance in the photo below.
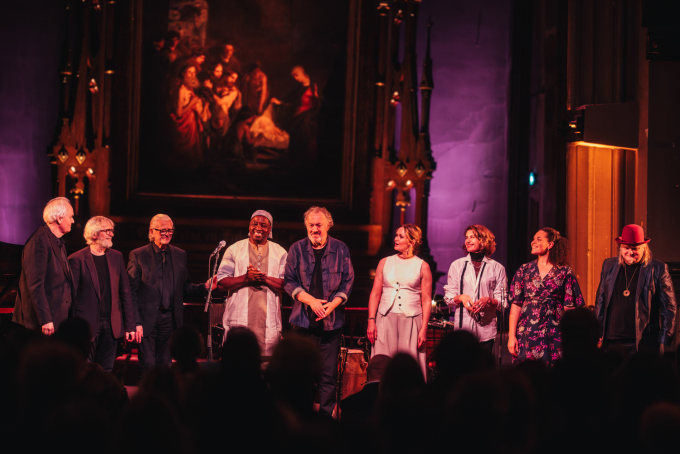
(595, 210)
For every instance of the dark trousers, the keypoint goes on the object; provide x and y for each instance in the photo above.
(329, 348)
(648, 342)
(155, 347)
(103, 349)
(629, 346)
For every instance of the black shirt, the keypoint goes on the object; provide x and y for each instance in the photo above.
(621, 311)
(165, 275)
(104, 285)
(477, 259)
(316, 285)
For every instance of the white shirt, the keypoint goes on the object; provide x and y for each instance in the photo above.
(489, 285)
(235, 263)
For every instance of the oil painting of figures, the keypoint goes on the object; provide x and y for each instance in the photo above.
(237, 100)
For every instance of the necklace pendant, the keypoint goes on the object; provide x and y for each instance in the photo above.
(626, 292)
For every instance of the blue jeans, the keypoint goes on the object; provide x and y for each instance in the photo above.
(103, 350)
(154, 349)
(329, 348)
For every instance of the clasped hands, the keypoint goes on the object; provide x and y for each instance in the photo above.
(475, 307)
(322, 308)
(255, 277)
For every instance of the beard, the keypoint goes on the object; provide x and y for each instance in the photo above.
(106, 244)
(191, 82)
(317, 244)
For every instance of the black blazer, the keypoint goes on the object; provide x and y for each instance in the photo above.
(654, 297)
(86, 283)
(146, 293)
(45, 287)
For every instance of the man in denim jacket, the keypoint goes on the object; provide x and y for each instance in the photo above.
(319, 278)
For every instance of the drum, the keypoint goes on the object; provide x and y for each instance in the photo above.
(354, 373)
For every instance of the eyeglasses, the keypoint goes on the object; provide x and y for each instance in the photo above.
(106, 231)
(165, 231)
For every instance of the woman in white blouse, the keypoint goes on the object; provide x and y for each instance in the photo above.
(474, 286)
(400, 302)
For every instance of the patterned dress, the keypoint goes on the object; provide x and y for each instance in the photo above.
(543, 302)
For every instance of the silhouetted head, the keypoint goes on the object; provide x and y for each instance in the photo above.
(459, 354)
(402, 378)
(294, 371)
(77, 333)
(241, 352)
(503, 400)
(659, 427)
(48, 376)
(580, 331)
(376, 367)
(186, 345)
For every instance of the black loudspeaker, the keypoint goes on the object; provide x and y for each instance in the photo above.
(661, 18)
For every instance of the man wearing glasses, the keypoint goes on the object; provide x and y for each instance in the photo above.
(159, 281)
(103, 292)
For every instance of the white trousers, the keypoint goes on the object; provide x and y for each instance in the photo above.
(398, 333)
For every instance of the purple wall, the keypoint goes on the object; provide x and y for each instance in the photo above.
(467, 127)
(31, 34)
(468, 122)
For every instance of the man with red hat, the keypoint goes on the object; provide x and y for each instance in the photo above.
(635, 301)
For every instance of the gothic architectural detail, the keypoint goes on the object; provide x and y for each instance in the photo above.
(407, 163)
(80, 150)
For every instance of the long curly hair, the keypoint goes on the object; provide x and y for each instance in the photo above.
(559, 254)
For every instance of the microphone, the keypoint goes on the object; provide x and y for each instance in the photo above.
(218, 248)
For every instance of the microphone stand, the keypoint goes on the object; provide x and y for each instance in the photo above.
(208, 299)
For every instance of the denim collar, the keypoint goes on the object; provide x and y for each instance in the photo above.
(331, 246)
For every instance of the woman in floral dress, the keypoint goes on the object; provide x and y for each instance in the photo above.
(540, 293)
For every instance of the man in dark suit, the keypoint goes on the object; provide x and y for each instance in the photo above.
(159, 281)
(635, 302)
(46, 287)
(102, 292)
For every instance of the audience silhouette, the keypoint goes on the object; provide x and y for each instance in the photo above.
(591, 400)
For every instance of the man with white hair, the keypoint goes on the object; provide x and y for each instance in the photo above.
(159, 281)
(46, 287)
(103, 292)
(635, 301)
(252, 269)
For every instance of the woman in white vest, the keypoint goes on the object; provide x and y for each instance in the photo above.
(474, 285)
(252, 270)
(401, 300)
